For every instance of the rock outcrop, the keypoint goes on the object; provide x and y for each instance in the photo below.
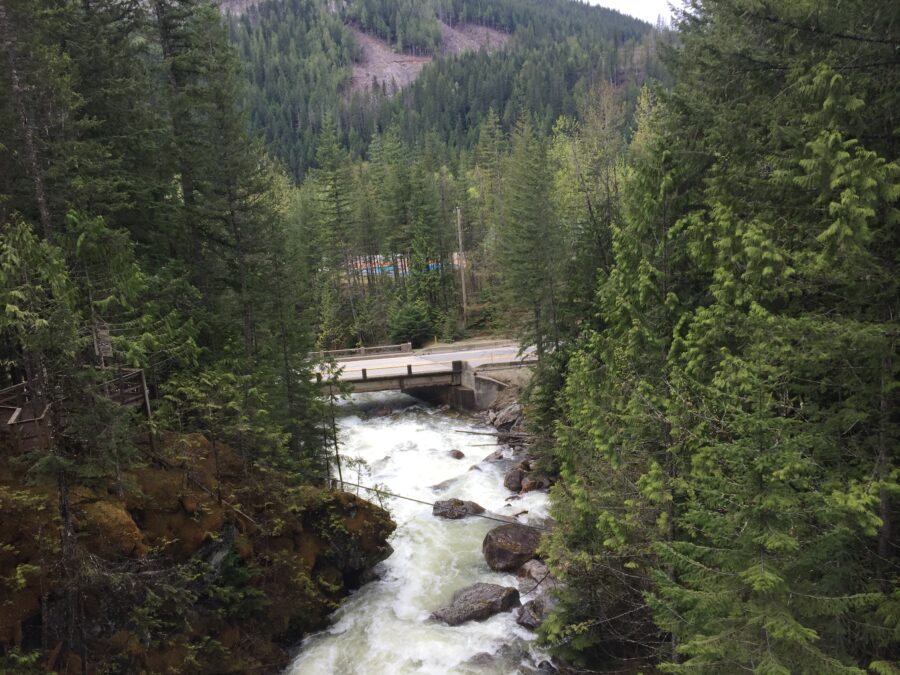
(533, 570)
(529, 616)
(477, 603)
(534, 612)
(508, 547)
(538, 584)
(495, 456)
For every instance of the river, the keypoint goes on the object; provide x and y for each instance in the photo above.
(384, 627)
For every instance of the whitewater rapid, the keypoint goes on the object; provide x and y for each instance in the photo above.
(384, 627)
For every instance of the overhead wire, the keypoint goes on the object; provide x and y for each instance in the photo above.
(506, 521)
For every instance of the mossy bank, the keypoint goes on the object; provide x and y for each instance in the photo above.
(196, 566)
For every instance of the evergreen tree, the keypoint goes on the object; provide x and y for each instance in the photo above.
(722, 443)
(531, 245)
(336, 220)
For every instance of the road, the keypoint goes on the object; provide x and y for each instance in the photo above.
(424, 362)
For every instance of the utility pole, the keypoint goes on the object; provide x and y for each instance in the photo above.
(462, 266)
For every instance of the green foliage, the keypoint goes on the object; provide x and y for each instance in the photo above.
(411, 323)
(726, 495)
(530, 242)
(409, 24)
(299, 58)
(25, 663)
(141, 227)
(221, 404)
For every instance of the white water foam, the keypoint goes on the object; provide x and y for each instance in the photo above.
(384, 628)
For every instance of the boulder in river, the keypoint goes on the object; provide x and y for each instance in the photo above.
(507, 417)
(528, 616)
(477, 603)
(495, 456)
(504, 657)
(454, 509)
(535, 481)
(445, 484)
(508, 547)
(456, 454)
(512, 481)
(535, 612)
(533, 570)
(381, 411)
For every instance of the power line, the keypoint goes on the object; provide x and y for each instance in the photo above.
(421, 501)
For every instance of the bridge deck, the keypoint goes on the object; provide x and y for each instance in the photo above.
(422, 369)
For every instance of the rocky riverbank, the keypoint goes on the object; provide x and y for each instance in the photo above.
(511, 548)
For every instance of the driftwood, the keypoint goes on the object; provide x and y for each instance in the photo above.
(517, 434)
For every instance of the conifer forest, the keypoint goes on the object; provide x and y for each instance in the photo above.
(691, 228)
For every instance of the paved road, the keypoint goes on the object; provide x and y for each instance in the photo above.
(396, 364)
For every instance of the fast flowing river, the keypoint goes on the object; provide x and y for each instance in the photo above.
(384, 627)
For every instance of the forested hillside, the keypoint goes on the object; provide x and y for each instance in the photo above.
(726, 421)
(696, 228)
(399, 191)
(300, 55)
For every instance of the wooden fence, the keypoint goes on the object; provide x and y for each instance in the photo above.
(25, 415)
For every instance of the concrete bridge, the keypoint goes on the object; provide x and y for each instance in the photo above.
(459, 376)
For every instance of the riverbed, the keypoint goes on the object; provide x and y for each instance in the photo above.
(384, 628)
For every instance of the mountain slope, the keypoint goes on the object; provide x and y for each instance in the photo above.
(382, 66)
(306, 59)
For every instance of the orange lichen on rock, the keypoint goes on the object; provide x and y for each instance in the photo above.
(109, 531)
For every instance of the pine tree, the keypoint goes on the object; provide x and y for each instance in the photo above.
(531, 245)
(336, 221)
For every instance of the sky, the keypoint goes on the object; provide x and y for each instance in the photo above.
(647, 10)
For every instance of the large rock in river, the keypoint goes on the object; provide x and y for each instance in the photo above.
(508, 547)
(477, 603)
(535, 481)
(508, 417)
(534, 612)
(534, 570)
(512, 481)
(454, 509)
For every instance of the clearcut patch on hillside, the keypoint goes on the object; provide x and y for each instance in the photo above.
(381, 64)
(470, 37)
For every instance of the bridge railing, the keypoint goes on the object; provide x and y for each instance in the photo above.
(357, 352)
(406, 370)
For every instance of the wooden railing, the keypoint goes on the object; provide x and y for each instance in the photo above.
(25, 416)
(130, 389)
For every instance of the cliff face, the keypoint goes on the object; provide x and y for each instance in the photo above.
(193, 566)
